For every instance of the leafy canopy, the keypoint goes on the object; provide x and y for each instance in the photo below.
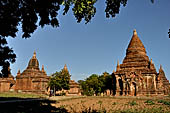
(60, 80)
(30, 14)
(33, 13)
(96, 84)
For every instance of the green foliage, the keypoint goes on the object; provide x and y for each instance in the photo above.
(96, 84)
(149, 102)
(6, 57)
(84, 9)
(60, 80)
(55, 81)
(164, 102)
(9, 95)
(132, 103)
(114, 103)
(113, 7)
(33, 13)
(109, 82)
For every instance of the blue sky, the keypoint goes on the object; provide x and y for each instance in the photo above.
(96, 47)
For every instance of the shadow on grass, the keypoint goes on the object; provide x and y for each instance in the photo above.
(28, 105)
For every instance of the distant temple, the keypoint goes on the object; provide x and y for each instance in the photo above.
(137, 74)
(32, 79)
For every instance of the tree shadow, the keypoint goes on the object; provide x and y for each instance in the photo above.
(28, 105)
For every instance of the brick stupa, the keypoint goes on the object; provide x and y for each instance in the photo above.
(32, 79)
(137, 74)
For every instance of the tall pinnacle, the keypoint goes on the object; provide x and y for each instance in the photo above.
(18, 73)
(65, 67)
(136, 53)
(136, 44)
(160, 69)
(134, 32)
(118, 66)
(34, 56)
(42, 68)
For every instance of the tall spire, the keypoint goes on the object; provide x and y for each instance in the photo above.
(118, 66)
(151, 61)
(160, 69)
(136, 45)
(136, 52)
(134, 32)
(42, 68)
(34, 55)
(18, 73)
(65, 68)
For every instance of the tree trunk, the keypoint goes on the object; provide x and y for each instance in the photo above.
(54, 91)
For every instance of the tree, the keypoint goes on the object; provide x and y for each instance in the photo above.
(96, 84)
(90, 85)
(59, 81)
(65, 79)
(6, 56)
(109, 82)
(84, 87)
(55, 82)
(33, 13)
(93, 84)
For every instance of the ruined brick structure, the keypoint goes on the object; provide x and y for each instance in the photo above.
(74, 88)
(32, 79)
(7, 83)
(137, 74)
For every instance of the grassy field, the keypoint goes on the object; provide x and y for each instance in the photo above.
(21, 95)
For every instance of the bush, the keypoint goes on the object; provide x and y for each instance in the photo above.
(164, 102)
(149, 102)
(132, 103)
(114, 103)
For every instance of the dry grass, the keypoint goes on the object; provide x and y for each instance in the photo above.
(114, 104)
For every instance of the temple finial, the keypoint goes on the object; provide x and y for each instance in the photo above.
(42, 68)
(134, 32)
(160, 67)
(34, 56)
(118, 66)
(151, 61)
(117, 62)
(65, 67)
(18, 73)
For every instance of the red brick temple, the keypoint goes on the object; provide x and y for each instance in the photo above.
(32, 79)
(137, 74)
